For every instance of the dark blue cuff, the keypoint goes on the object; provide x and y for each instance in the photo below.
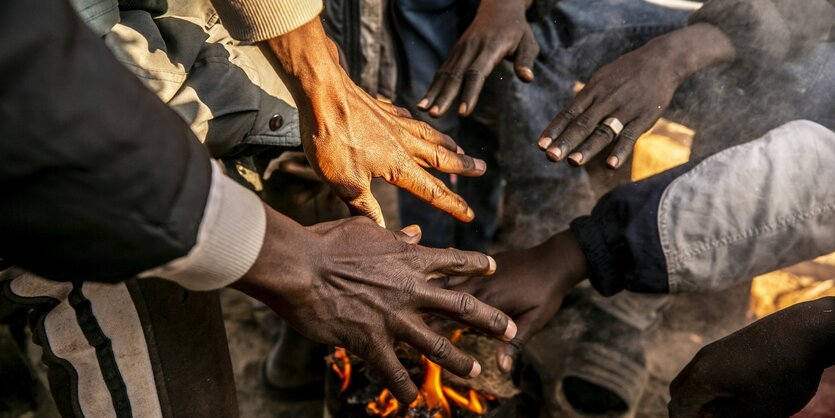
(620, 238)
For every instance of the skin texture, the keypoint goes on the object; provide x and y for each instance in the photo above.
(636, 89)
(352, 284)
(770, 368)
(499, 31)
(350, 137)
(530, 285)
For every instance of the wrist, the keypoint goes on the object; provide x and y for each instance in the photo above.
(566, 258)
(286, 262)
(308, 62)
(693, 49)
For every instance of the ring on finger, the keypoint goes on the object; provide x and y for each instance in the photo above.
(614, 124)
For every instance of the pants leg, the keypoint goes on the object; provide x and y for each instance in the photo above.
(137, 348)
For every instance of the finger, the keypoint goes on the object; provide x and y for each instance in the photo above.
(394, 109)
(427, 133)
(526, 54)
(564, 118)
(410, 234)
(430, 189)
(578, 130)
(438, 83)
(394, 375)
(439, 349)
(364, 204)
(599, 139)
(473, 83)
(454, 262)
(444, 160)
(625, 142)
(468, 310)
(474, 79)
(507, 353)
(299, 170)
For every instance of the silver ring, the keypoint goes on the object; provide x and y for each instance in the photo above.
(614, 124)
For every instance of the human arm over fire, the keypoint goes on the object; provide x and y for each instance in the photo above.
(348, 136)
(702, 226)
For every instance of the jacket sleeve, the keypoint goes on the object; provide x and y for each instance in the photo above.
(259, 20)
(706, 225)
(768, 32)
(99, 179)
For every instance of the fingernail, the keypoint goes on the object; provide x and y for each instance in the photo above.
(470, 213)
(510, 331)
(506, 363)
(460, 151)
(528, 73)
(554, 154)
(412, 230)
(462, 109)
(612, 162)
(423, 103)
(476, 370)
(575, 158)
(544, 143)
(480, 165)
(491, 268)
(435, 110)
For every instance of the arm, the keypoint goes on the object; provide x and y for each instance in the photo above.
(100, 180)
(348, 136)
(702, 226)
(769, 368)
(766, 33)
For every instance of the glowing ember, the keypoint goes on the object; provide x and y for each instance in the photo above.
(342, 367)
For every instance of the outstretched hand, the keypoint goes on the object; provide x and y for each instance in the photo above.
(636, 90)
(499, 30)
(350, 137)
(352, 284)
(529, 285)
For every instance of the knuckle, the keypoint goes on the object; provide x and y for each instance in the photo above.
(497, 321)
(466, 305)
(457, 259)
(400, 378)
(474, 72)
(441, 156)
(583, 122)
(442, 348)
(570, 113)
(434, 193)
(424, 130)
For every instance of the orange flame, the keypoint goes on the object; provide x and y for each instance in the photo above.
(342, 367)
(434, 395)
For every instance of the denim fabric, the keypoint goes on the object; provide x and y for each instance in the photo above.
(750, 209)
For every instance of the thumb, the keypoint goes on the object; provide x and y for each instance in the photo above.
(365, 204)
(410, 234)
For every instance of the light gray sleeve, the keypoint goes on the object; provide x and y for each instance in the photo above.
(751, 209)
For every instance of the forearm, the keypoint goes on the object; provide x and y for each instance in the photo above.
(100, 179)
(745, 211)
(766, 32)
(693, 49)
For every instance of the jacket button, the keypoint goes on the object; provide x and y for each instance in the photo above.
(276, 121)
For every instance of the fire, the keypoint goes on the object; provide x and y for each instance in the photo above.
(342, 367)
(433, 395)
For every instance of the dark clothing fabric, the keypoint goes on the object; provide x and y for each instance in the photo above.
(100, 179)
(620, 238)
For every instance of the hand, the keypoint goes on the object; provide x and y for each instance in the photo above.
(350, 138)
(770, 368)
(530, 285)
(499, 30)
(353, 284)
(636, 89)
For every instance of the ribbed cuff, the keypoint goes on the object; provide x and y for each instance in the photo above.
(603, 272)
(259, 20)
(228, 241)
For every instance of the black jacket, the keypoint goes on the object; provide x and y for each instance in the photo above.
(99, 179)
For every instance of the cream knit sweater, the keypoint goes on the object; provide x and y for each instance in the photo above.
(259, 20)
